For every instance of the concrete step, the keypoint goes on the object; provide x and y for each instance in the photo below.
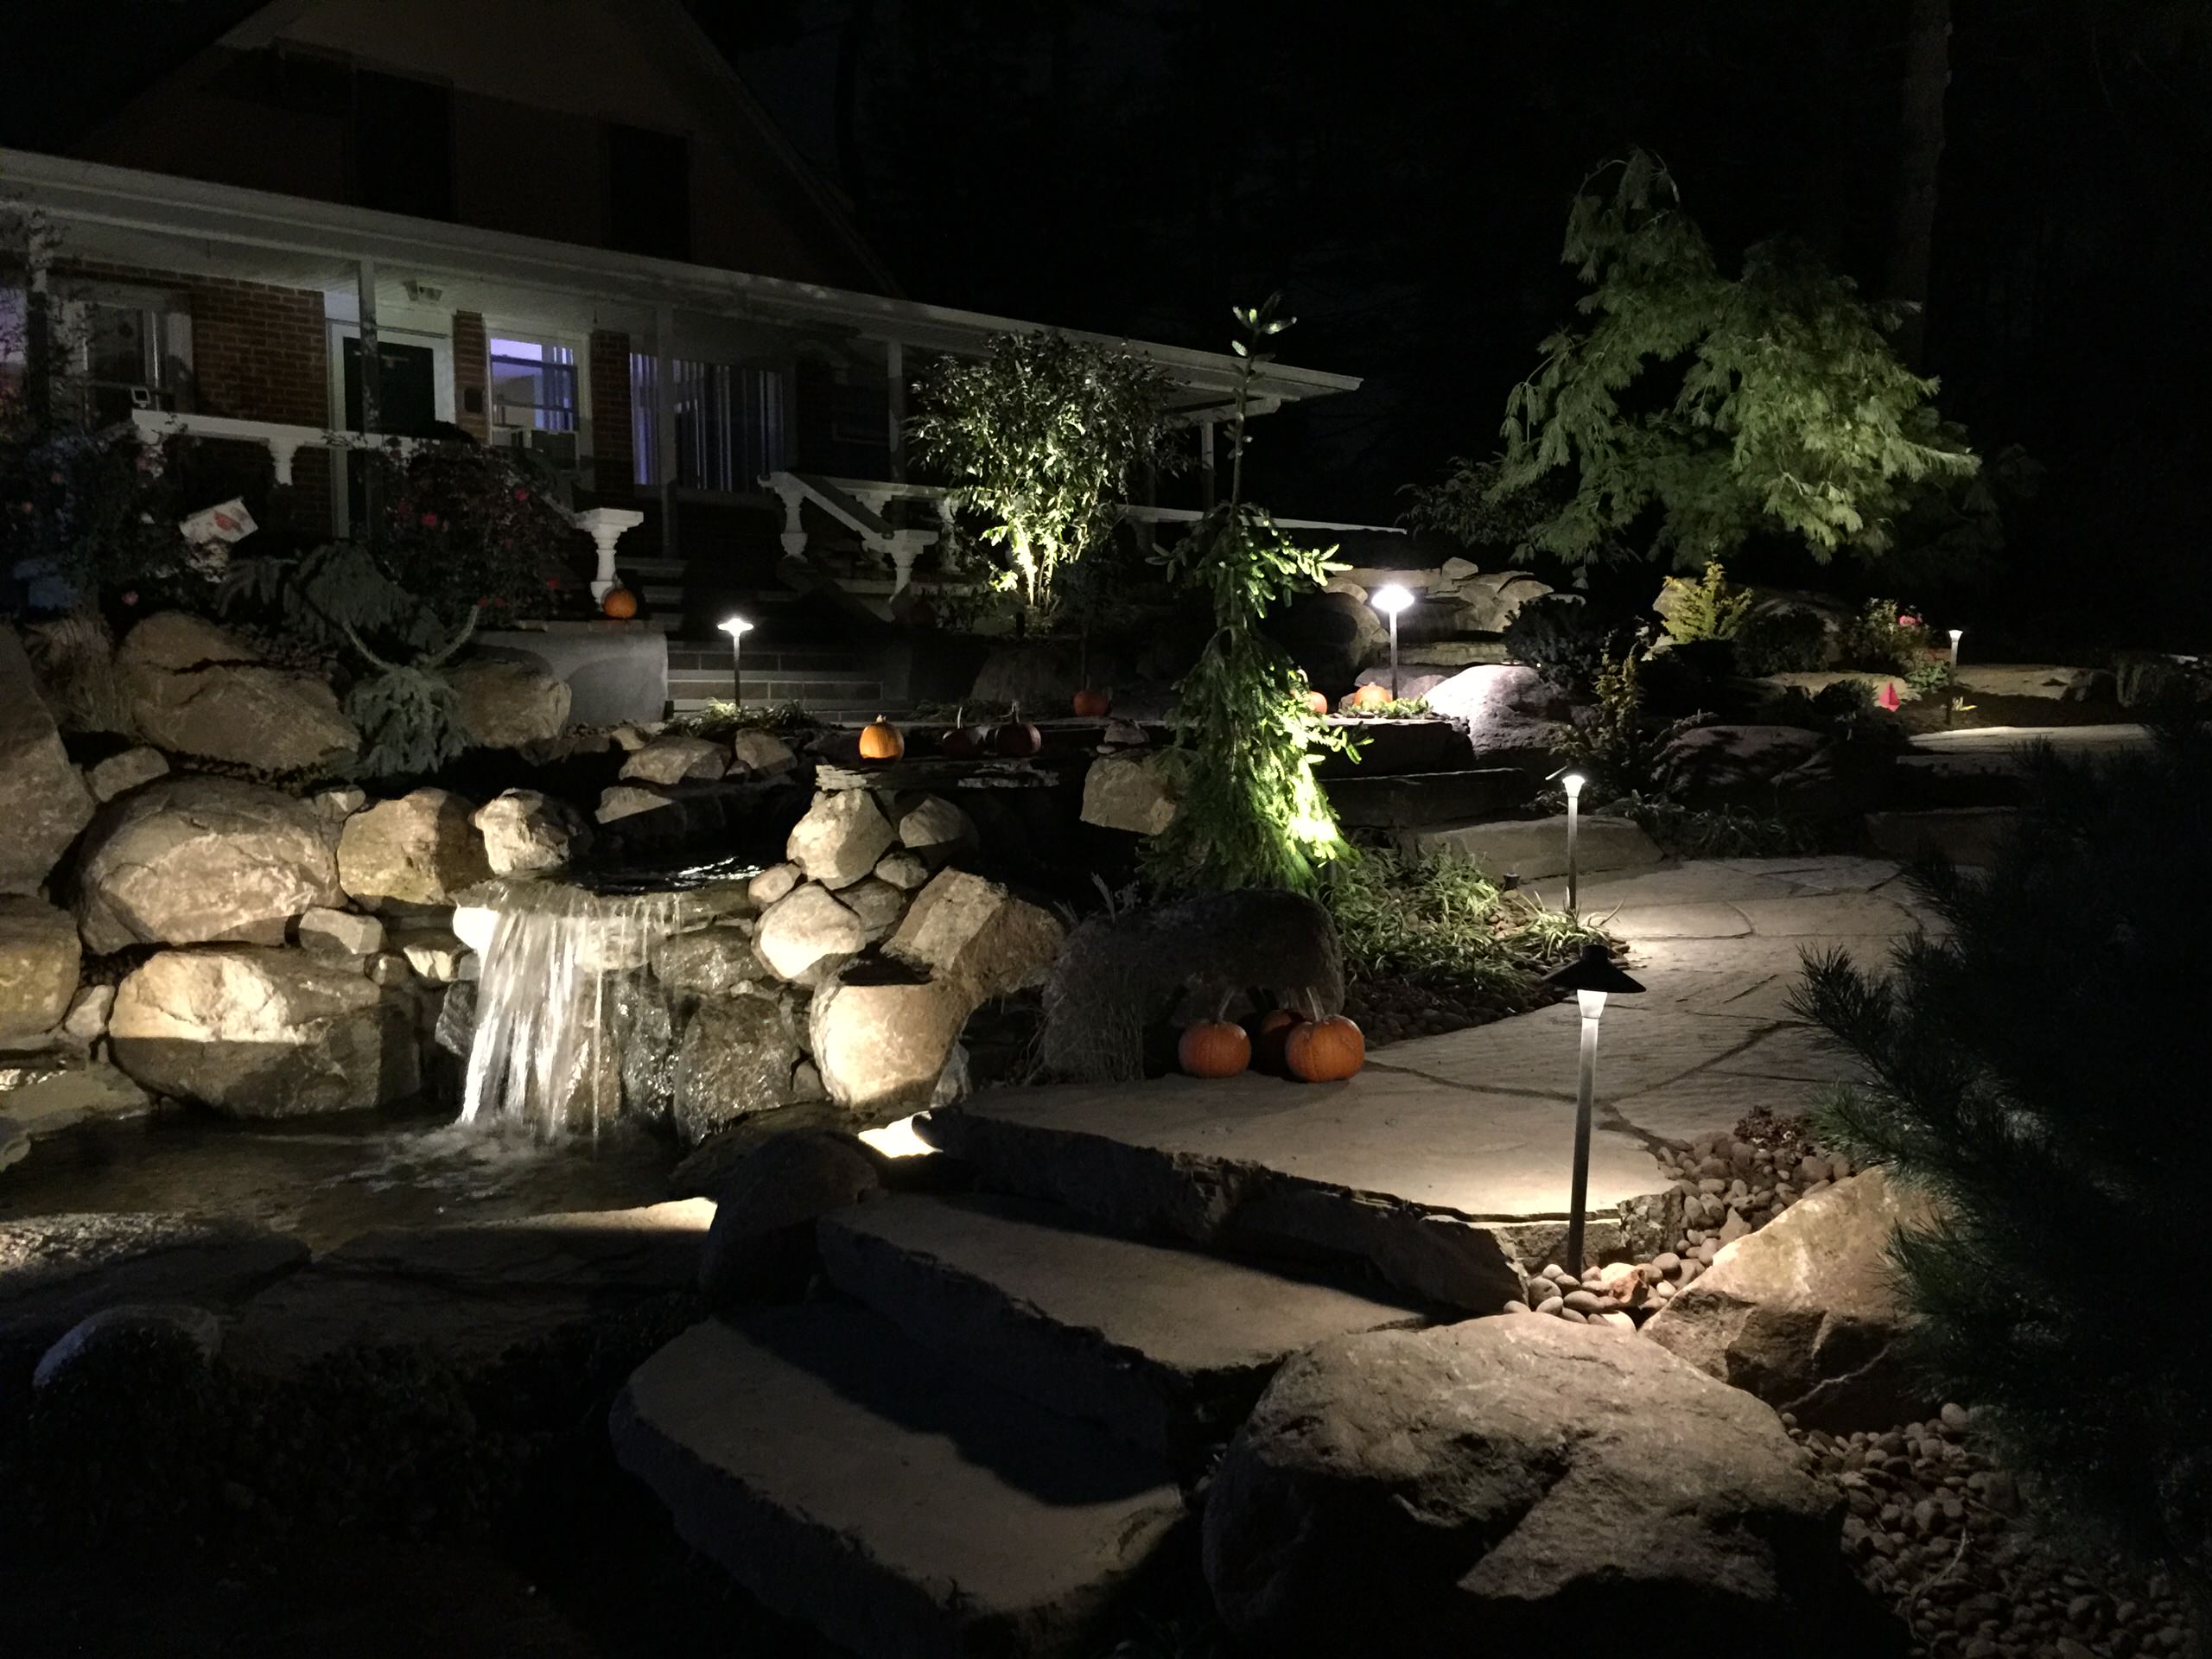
(1417, 800)
(854, 1481)
(1164, 1348)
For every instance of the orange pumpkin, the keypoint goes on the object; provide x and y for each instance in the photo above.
(1092, 705)
(619, 603)
(880, 740)
(1324, 1050)
(1017, 739)
(1271, 1036)
(1362, 698)
(1316, 704)
(1214, 1048)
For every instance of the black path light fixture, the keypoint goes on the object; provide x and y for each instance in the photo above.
(1592, 976)
(1390, 600)
(737, 627)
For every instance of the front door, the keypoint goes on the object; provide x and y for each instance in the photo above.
(408, 407)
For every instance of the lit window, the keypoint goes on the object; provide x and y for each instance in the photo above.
(533, 385)
(728, 427)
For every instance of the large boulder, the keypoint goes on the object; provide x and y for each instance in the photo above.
(257, 1033)
(766, 1206)
(1804, 1313)
(1494, 1486)
(840, 837)
(43, 800)
(1332, 636)
(505, 703)
(674, 759)
(807, 933)
(1484, 602)
(57, 1270)
(1758, 769)
(423, 848)
(195, 689)
(967, 931)
(526, 832)
(121, 773)
(736, 1058)
(885, 1048)
(194, 860)
(39, 956)
(1514, 716)
(934, 830)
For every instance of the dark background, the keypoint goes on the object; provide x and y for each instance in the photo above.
(1401, 172)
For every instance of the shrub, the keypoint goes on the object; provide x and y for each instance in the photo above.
(1707, 608)
(1782, 640)
(2041, 1072)
(1884, 639)
(1436, 918)
(1558, 636)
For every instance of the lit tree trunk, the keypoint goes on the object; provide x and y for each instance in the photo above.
(1927, 75)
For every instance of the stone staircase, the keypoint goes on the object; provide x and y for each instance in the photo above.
(981, 1439)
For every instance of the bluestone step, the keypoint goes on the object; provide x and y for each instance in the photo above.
(856, 1482)
(1164, 1347)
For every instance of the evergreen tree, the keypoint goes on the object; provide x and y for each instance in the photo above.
(2043, 1072)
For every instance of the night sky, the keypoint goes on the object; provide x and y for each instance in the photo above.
(1401, 171)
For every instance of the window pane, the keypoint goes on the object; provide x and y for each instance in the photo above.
(728, 422)
(533, 384)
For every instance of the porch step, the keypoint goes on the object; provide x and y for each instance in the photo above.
(1164, 1347)
(851, 1479)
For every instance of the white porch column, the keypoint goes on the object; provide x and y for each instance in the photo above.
(894, 374)
(664, 460)
(903, 549)
(794, 536)
(605, 525)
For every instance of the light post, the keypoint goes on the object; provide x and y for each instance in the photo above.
(1591, 976)
(1957, 634)
(1572, 783)
(1390, 600)
(737, 627)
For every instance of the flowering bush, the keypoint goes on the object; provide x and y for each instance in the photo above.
(463, 530)
(1884, 640)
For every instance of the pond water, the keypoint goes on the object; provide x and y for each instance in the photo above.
(329, 1179)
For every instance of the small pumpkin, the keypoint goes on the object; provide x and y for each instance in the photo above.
(1362, 698)
(619, 603)
(1324, 1050)
(1271, 1036)
(881, 740)
(1092, 705)
(960, 740)
(1213, 1048)
(1017, 739)
(1317, 704)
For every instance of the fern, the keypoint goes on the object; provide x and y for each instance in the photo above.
(1705, 609)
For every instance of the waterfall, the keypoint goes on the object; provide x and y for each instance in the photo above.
(562, 991)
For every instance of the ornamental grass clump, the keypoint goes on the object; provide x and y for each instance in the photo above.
(2043, 1072)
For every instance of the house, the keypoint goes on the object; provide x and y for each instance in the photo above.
(380, 217)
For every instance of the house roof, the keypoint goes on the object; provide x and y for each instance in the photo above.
(154, 221)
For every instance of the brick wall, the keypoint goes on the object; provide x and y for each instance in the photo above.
(612, 464)
(472, 372)
(259, 353)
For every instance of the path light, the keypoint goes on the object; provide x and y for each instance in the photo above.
(737, 627)
(1590, 976)
(1957, 634)
(1572, 783)
(1390, 600)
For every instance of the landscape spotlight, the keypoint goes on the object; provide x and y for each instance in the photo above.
(1592, 976)
(737, 627)
(1572, 783)
(1390, 600)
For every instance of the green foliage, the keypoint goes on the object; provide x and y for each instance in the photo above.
(1436, 918)
(1705, 609)
(1559, 636)
(1770, 401)
(1615, 746)
(1466, 504)
(1401, 709)
(410, 719)
(1682, 832)
(1040, 436)
(1884, 641)
(719, 719)
(1779, 640)
(2041, 1072)
(1933, 681)
(1252, 813)
(96, 510)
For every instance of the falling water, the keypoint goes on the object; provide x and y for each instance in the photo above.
(562, 992)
